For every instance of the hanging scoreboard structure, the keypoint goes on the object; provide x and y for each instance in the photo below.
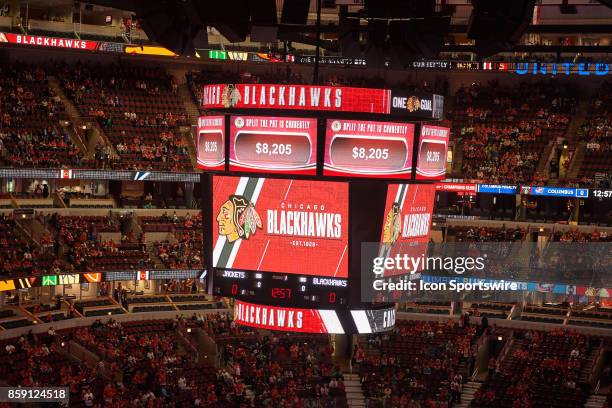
(294, 184)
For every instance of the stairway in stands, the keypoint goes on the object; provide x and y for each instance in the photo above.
(193, 113)
(588, 365)
(79, 125)
(354, 393)
(595, 401)
(469, 389)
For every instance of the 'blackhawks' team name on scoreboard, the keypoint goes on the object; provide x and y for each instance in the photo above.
(304, 224)
(270, 317)
(416, 225)
(274, 95)
(297, 97)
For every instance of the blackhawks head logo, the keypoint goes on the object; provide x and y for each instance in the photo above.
(230, 96)
(237, 218)
(393, 225)
(413, 104)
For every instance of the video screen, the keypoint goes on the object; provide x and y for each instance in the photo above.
(296, 97)
(356, 148)
(287, 318)
(407, 223)
(210, 143)
(280, 225)
(273, 145)
(433, 147)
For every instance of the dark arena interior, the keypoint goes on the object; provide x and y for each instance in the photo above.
(306, 203)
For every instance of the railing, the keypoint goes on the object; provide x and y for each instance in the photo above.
(505, 350)
(87, 321)
(597, 366)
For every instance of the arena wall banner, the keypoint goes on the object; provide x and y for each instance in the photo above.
(84, 45)
(52, 42)
(273, 145)
(280, 225)
(296, 97)
(497, 189)
(210, 143)
(457, 187)
(433, 148)
(356, 148)
(555, 191)
(407, 223)
(287, 318)
(27, 282)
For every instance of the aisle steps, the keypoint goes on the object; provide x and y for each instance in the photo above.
(354, 393)
(469, 389)
(595, 401)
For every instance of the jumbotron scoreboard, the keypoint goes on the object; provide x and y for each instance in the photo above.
(295, 181)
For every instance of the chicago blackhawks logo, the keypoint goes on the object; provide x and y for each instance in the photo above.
(413, 104)
(230, 96)
(237, 219)
(393, 226)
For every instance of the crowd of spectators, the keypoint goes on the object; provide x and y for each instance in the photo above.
(418, 364)
(87, 251)
(30, 115)
(184, 248)
(596, 132)
(138, 109)
(542, 370)
(40, 360)
(142, 364)
(95, 243)
(18, 257)
(504, 129)
(282, 369)
(185, 253)
(575, 257)
(486, 234)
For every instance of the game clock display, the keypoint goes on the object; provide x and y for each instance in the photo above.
(281, 289)
(602, 193)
